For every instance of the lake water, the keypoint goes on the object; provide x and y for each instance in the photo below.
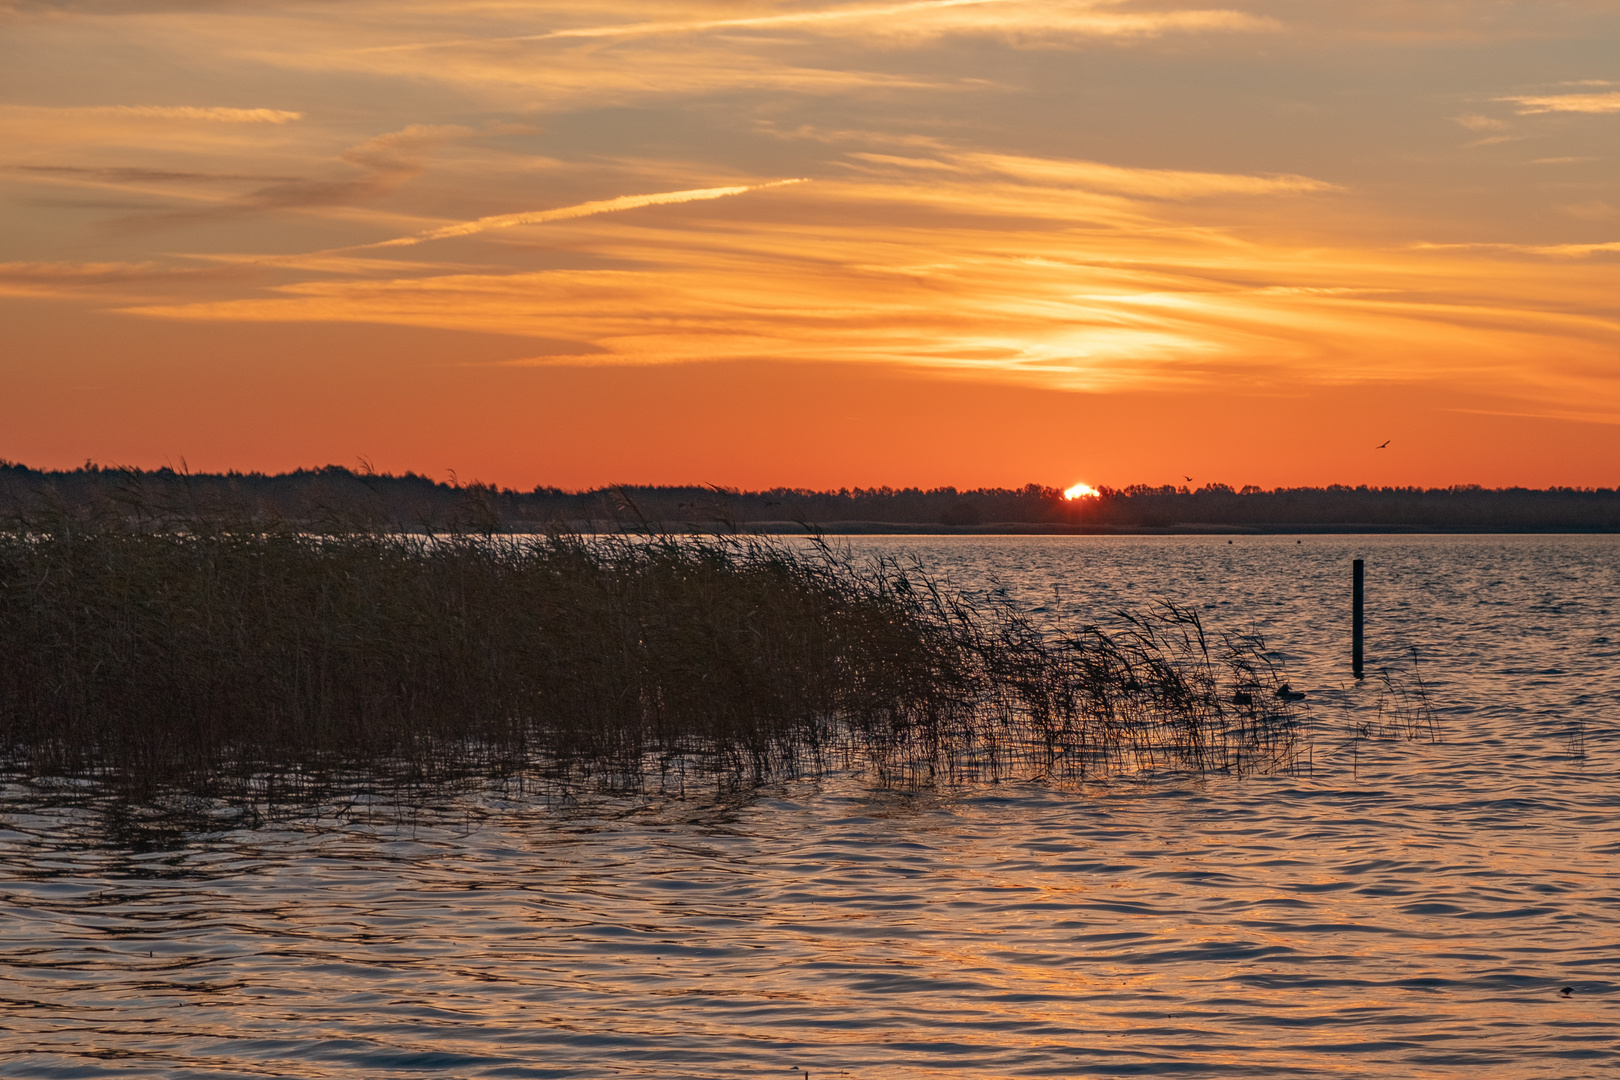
(1405, 909)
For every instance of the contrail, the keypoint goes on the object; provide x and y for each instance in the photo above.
(566, 213)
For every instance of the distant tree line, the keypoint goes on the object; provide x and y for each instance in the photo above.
(345, 496)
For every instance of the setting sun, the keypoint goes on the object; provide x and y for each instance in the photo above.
(1080, 491)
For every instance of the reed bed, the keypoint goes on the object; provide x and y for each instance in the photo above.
(260, 662)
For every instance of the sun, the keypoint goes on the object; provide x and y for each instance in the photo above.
(1081, 491)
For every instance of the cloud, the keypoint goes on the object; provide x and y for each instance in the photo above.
(110, 282)
(811, 19)
(1561, 250)
(976, 207)
(213, 115)
(91, 273)
(27, 130)
(1575, 251)
(335, 262)
(961, 261)
(918, 18)
(621, 55)
(385, 162)
(1575, 103)
(1004, 281)
(605, 73)
(405, 149)
(64, 279)
(134, 113)
(1592, 210)
(568, 213)
(382, 164)
(1150, 183)
(1154, 316)
(120, 175)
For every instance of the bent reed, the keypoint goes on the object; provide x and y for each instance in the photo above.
(252, 661)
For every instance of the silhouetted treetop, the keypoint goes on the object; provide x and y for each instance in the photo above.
(333, 493)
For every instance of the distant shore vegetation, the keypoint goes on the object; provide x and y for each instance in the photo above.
(263, 642)
(409, 500)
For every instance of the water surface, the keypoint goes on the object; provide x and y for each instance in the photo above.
(1402, 909)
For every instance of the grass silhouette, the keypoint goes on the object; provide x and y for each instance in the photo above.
(253, 660)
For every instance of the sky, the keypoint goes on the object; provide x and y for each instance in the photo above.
(816, 244)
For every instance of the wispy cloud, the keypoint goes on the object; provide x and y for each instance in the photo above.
(1576, 251)
(1094, 175)
(1003, 279)
(378, 165)
(215, 114)
(1565, 251)
(1127, 315)
(28, 131)
(1162, 205)
(918, 18)
(1592, 210)
(624, 56)
(127, 174)
(1476, 122)
(87, 273)
(822, 17)
(71, 115)
(1572, 103)
(580, 210)
(108, 281)
(337, 262)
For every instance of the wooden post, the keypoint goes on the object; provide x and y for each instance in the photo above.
(1356, 608)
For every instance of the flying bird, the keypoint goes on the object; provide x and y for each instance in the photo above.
(1186, 478)
(1383, 444)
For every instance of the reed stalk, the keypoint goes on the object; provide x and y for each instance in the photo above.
(236, 659)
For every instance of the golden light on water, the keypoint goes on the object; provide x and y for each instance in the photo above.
(1080, 491)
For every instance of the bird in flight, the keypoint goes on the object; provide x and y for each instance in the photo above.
(1383, 444)
(1187, 478)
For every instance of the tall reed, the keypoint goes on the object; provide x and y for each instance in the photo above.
(227, 657)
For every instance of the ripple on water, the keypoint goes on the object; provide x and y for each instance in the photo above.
(1404, 910)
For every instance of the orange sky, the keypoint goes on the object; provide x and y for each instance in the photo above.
(971, 242)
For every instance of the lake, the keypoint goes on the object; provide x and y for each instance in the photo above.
(1401, 908)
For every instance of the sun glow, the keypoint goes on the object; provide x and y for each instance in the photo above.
(1080, 491)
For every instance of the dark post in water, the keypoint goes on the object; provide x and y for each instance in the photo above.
(1356, 576)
